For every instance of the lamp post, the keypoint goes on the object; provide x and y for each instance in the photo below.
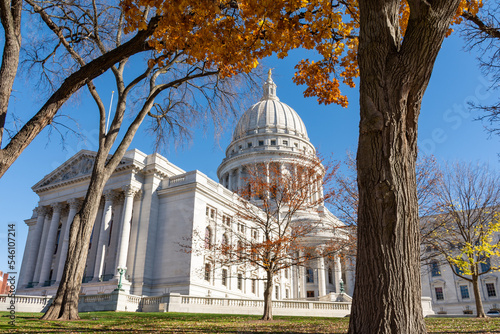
(121, 271)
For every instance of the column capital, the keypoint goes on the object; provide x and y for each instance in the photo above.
(130, 190)
(41, 210)
(57, 207)
(110, 195)
(75, 203)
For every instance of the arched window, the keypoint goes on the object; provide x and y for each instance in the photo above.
(208, 237)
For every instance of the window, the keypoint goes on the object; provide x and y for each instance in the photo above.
(261, 143)
(210, 212)
(207, 272)
(254, 286)
(273, 142)
(296, 145)
(464, 291)
(255, 234)
(226, 220)
(458, 270)
(241, 228)
(309, 275)
(249, 145)
(439, 293)
(277, 292)
(286, 272)
(310, 294)
(486, 265)
(224, 277)
(285, 142)
(240, 281)
(490, 289)
(208, 237)
(330, 275)
(435, 271)
(225, 240)
(287, 293)
(240, 147)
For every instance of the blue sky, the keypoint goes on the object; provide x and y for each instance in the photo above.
(446, 129)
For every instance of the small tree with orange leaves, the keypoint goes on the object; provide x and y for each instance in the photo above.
(281, 206)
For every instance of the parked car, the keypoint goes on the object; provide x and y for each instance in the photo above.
(493, 312)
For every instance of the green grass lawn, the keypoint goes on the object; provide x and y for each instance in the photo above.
(123, 322)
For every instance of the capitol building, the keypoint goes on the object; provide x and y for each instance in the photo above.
(150, 209)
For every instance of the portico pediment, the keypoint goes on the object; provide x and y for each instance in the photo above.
(77, 168)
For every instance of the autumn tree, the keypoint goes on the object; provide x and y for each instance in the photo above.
(280, 221)
(463, 234)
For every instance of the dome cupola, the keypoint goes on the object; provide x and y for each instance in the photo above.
(270, 130)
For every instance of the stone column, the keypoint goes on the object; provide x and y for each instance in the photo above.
(41, 248)
(107, 215)
(303, 293)
(50, 244)
(230, 180)
(321, 277)
(32, 245)
(295, 282)
(338, 274)
(74, 206)
(238, 180)
(125, 225)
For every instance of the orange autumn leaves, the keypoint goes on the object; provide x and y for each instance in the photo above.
(233, 35)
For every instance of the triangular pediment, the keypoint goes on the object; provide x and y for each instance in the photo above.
(75, 169)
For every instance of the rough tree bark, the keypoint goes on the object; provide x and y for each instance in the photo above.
(394, 73)
(10, 16)
(71, 84)
(268, 295)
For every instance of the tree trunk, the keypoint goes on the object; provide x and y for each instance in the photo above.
(268, 294)
(394, 74)
(477, 296)
(65, 303)
(10, 16)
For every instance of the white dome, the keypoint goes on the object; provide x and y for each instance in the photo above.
(269, 131)
(269, 115)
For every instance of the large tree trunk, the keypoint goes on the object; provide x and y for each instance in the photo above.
(268, 294)
(65, 303)
(394, 74)
(10, 16)
(477, 296)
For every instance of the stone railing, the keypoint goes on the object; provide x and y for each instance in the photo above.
(174, 302)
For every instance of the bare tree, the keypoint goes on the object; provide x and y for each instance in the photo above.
(461, 234)
(482, 32)
(93, 67)
(278, 215)
(185, 87)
